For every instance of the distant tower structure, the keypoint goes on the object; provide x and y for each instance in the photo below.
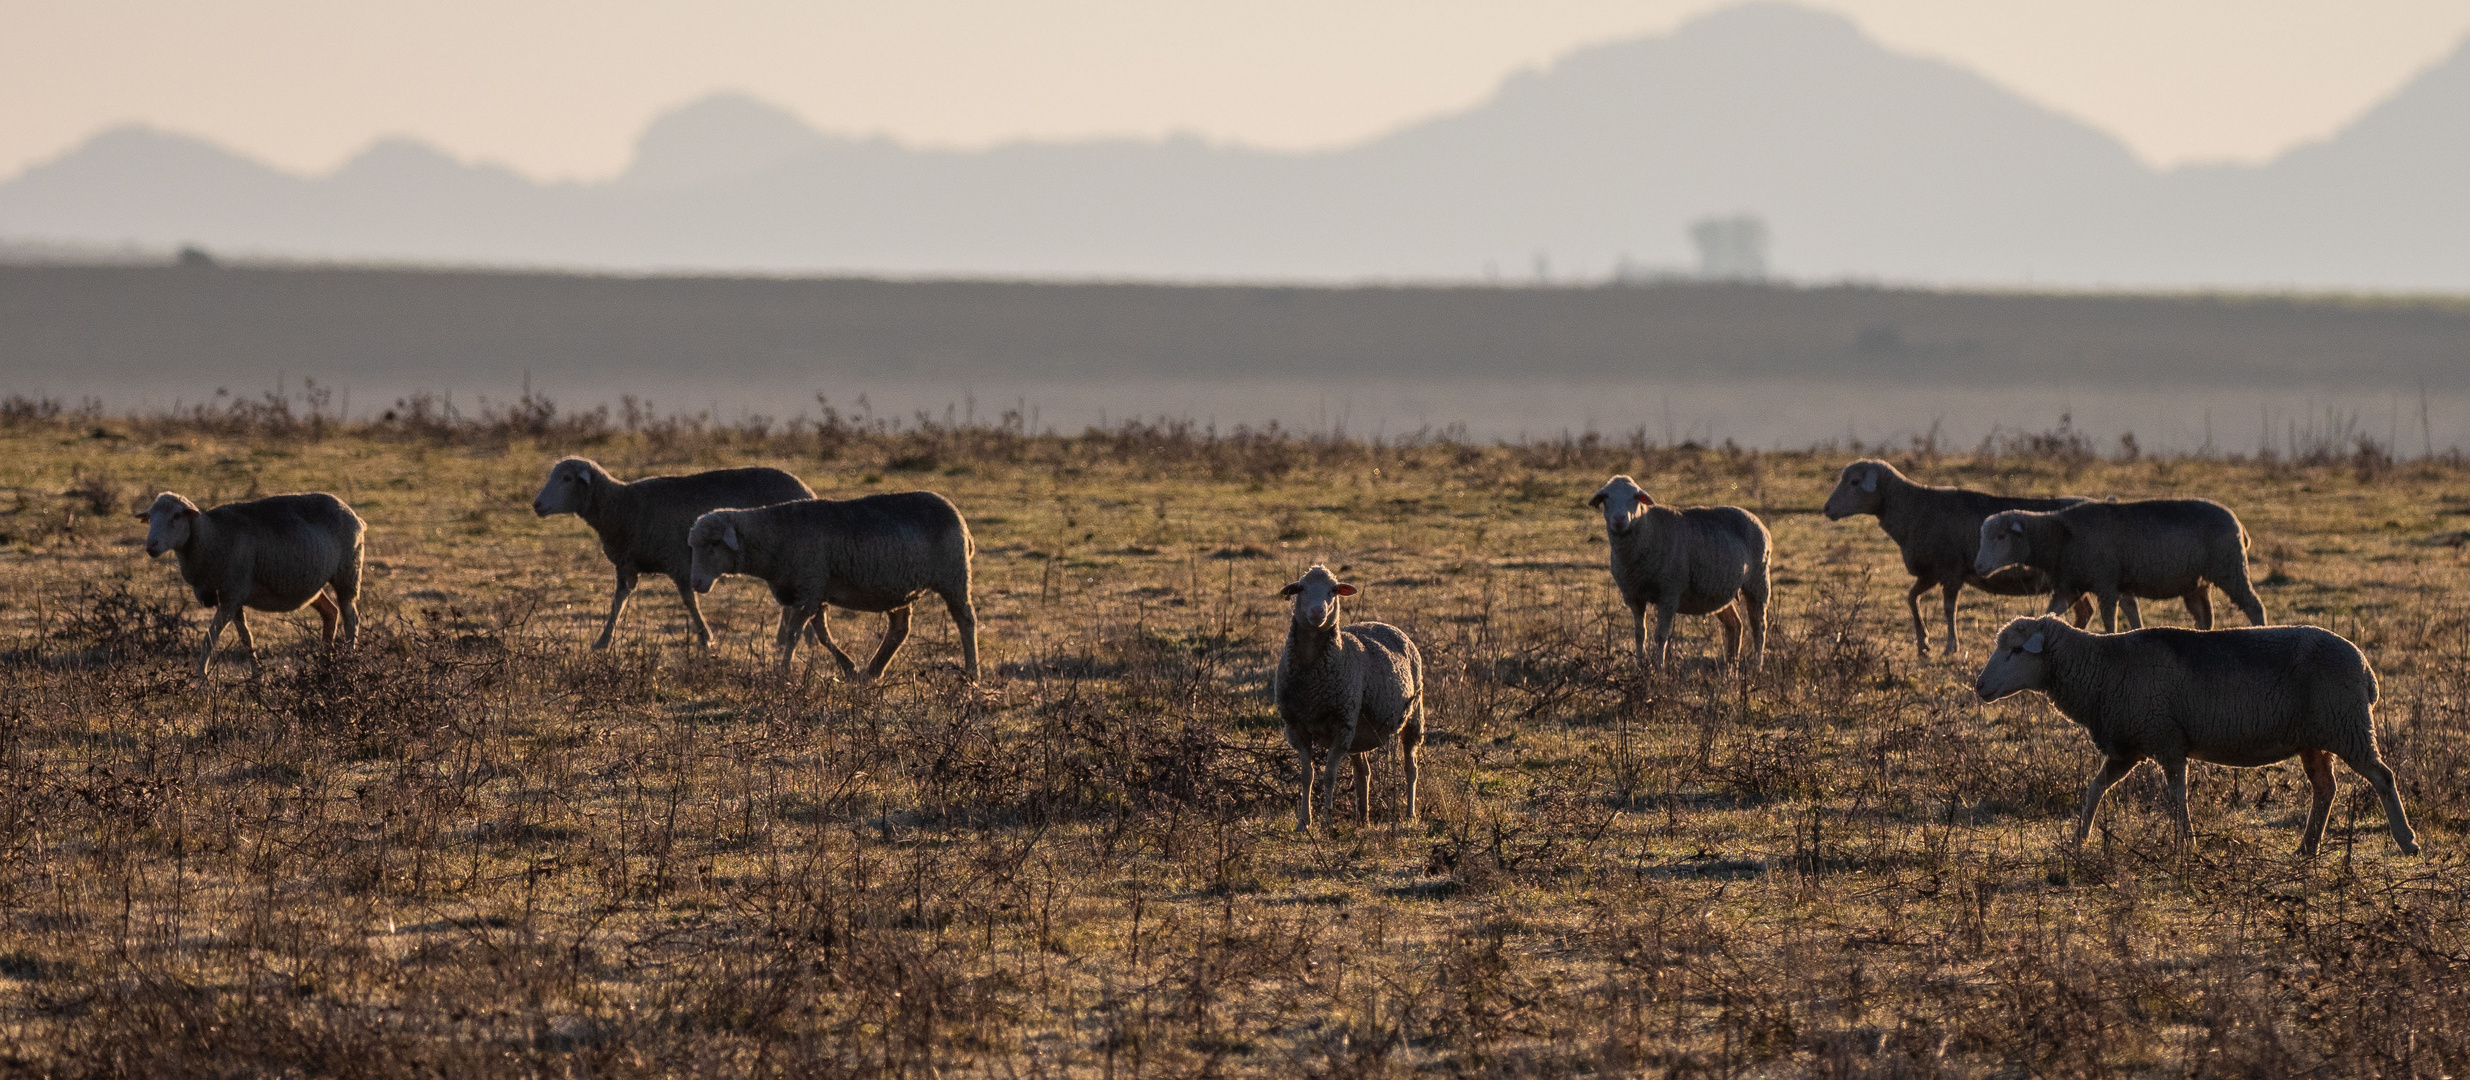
(1731, 248)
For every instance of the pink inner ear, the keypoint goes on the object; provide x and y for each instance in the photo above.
(1645, 499)
(1345, 589)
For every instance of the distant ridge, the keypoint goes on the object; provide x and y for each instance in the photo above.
(1865, 163)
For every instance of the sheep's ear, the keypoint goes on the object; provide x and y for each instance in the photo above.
(2034, 643)
(2014, 526)
(729, 536)
(1291, 589)
(1344, 589)
(1645, 499)
(1598, 500)
(144, 514)
(1869, 480)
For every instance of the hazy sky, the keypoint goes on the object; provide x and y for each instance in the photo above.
(560, 88)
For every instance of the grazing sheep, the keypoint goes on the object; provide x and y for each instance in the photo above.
(1689, 562)
(276, 554)
(1346, 689)
(1938, 530)
(642, 525)
(878, 553)
(2154, 548)
(2244, 698)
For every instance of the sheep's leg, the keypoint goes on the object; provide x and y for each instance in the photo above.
(2199, 606)
(223, 613)
(821, 630)
(2235, 587)
(965, 622)
(617, 607)
(2372, 767)
(1329, 775)
(1732, 631)
(694, 612)
(2061, 600)
(1638, 633)
(2176, 772)
(327, 614)
(2130, 612)
(1363, 788)
(2112, 770)
(1410, 737)
(895, 631)
(1663, 630)
(2083, 611)
(346, 588)
(248, 641)
(2109, 612)
(2319, 776)
(1912, 603)
(1303, 806)
(793, 619)
(1754, 611)
(1949, 591)
(1406, 757)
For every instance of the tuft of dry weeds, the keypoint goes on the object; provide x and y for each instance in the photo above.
(474, 847)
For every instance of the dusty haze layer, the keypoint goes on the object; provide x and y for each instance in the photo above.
(1766, 366)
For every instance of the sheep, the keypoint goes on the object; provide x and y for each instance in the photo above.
(1348, 689)
(274, 554)
(1691, 562)
(2153, 548)
(2243, 698)
(642, 525)
(1938, 530)
(877, 553)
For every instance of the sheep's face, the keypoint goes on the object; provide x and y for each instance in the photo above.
(169, 524)
(1316, 597)
(2020, 660)
(568, 490)
(712, 546)
(2003, 542)
(1623, 502)
(1856, 490)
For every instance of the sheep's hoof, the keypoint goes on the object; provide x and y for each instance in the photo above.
(600, 644)
(2409, 847)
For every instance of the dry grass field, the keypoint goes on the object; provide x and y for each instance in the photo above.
(473, 847)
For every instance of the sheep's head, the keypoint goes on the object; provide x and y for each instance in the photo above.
(2006, 539)
(568, 490)
(169, 523)
(1316, 597)
(1856, 490)
(2021, 659)
(713, 547)
(1623, 502)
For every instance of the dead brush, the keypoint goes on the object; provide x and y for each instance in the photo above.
(113, 622)
(473, 847)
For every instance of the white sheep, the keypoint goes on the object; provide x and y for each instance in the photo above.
(1345, 690)
(275, 554)
(2153, 548)
(877, 553)
(1938, 531)
(2243, 698)
(1693, 561)
(642, 525)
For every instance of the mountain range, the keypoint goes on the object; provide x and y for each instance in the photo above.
(1864, 163)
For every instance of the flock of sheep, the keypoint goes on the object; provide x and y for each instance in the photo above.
(2243, 698)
